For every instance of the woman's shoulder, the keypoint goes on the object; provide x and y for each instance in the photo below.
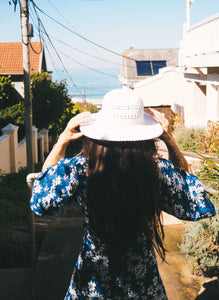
(167, 169)
(164, 163)
(78, 161)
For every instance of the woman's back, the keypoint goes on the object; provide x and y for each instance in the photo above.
(122, 189)
(123, 197)
(92, 276)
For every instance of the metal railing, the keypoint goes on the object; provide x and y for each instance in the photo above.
(30, 180)
(202, 38)
(200, 44)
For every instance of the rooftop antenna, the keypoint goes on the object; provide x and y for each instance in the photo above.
(188, 5)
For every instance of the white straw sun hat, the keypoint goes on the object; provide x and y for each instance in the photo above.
(121, 118)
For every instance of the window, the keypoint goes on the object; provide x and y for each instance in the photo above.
(149, 67)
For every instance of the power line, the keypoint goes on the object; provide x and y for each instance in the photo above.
(58, 11)
(45, 45)
(64, 67)
(95, 70)
(48, 36)
(86, 39)
(74, 48)
(84, 52)
(40, 22)
(79, 50)
(81, 36)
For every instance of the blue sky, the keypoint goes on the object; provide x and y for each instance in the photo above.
(114, 24)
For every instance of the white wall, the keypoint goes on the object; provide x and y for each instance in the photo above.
(19, 86)
(213, 102)
(195, 107)
(171, 88)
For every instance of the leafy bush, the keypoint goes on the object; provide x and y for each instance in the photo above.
(209, 174)
(89, 106)
(201, 244)
(14, 114)
(14, 218)
(59, 125)
(8, 95)
(52, 107)
(187, 139)
(201, 239)
(11, 106)
(14, 250)
(49, 99)
(209, 139)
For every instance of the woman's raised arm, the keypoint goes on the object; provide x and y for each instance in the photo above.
(175, 154)
(69, 134)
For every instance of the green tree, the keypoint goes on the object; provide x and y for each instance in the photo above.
(52, 107)
(14, 114)
(8, 95)
(11, 106)
(49, 100)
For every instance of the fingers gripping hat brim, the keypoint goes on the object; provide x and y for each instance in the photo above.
(98, 128)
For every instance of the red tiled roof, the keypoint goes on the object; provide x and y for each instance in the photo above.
(11, 58)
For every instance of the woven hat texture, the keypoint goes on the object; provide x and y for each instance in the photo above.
(121, 118)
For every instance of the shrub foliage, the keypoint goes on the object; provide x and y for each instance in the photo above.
(14, 210)
(14, 219)
(209, 139)
(201, 239)
(8, 95)
(52, 107)
(201, 244)
(188, 139)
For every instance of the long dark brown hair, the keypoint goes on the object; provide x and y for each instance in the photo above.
(123, 197)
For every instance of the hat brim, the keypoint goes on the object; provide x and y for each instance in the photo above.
(100, 128)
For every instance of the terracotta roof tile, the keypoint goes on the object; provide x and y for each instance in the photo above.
(11, 58)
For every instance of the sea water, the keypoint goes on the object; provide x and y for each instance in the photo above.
(92, 85)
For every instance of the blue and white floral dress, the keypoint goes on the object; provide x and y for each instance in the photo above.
(183, 196)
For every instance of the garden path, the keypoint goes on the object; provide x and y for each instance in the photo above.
(59, 252)
(57, 257)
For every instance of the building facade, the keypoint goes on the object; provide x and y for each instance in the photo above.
(139, 64)
(191, 86)
(11, 62)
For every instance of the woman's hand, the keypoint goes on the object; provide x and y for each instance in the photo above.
(70, 133)
(160, 118)
(175, 154)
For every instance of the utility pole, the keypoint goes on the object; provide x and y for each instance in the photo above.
(28, 114)
(84, 100)
(27, 94)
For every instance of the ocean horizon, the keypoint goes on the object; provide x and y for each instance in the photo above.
(94, 85)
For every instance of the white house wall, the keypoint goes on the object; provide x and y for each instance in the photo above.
(213, 102)
(171, 88)
(19, 86)
(196, 107)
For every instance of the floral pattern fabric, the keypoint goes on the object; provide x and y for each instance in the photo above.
(183, 196)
